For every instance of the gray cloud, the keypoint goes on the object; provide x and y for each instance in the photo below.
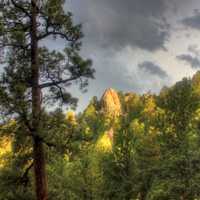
(193, 21)
(194, 50)
(116, 23)
(192, 57)
(153, 69)
(194, 61)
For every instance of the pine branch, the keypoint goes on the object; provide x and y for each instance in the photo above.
(54, 33)
(15, 45)
(56, 83)
(24, 178)
(26, 121)
(21, 8)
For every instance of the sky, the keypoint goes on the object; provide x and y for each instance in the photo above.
(137, 45)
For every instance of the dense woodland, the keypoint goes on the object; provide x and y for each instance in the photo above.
(123, 146)
(147, 149)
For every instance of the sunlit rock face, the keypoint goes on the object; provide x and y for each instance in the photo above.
(112, 109)
(110, 103)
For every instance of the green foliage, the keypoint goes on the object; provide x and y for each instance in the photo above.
(119, 167)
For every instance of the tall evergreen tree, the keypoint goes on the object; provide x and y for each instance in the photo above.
(34, 76)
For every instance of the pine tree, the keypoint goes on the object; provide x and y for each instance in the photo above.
(34, 76)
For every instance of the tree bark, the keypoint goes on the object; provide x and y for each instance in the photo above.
(38, 149)
(142, 196)
(40, 172)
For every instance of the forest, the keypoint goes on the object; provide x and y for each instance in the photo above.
(122, 146)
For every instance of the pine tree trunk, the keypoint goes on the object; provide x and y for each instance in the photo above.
(38, 149)
(40, 173)
(142, 196)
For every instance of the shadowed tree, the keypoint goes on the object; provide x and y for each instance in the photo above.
(34, 76)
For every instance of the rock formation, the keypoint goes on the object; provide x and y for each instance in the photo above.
(110, 103)
(111, 107)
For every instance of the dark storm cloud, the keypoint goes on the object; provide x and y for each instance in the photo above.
(193, 21)
(192, 57)
(117, 23)
(153, 69)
